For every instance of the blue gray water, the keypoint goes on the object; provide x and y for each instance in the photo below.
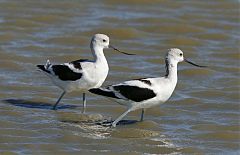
(202, 116)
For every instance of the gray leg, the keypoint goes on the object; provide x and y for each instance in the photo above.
(59, 99)
(142, 115)
(120, 117)
(84, 102)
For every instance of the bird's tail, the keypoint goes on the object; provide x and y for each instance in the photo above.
(103, 92)
(45, 67)
(48, 64)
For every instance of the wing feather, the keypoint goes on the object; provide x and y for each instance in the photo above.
(129, 90)
(66, 72)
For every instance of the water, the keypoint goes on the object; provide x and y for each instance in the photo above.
(202, 116)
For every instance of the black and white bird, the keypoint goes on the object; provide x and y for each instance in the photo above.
(81, 75)
(146, 92)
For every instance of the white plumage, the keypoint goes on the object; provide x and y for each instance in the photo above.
(81, 75)
(146, 92)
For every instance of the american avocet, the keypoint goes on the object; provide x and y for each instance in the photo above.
(146, 92)
(81, 75)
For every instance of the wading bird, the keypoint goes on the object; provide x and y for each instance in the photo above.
(146, 92)
(81, 75)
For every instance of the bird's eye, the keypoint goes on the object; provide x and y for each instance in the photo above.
(104, 40)
(180, 54)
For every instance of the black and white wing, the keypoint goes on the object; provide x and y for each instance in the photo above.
(66, 72)
(135, 90)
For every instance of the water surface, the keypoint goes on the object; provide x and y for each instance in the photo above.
(202, 116)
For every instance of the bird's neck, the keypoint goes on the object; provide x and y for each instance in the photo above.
(171, 70)
(101, 65)
(98, 55)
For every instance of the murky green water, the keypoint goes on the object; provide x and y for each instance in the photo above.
(202, 116)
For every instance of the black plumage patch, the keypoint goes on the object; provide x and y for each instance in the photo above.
(77, 64)
(65, 73)
(167, 67)
(43, 68)
(148, 82)
(135, 93)
(100, 91)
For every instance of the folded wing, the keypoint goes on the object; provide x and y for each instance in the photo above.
(66, 72)
(130, 90)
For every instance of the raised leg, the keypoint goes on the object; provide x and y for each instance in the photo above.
(142, 114)
(120, 117)
(59, 99)
(84, 103)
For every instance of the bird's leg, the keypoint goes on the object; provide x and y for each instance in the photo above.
(142, 114)
(84, 103)
(59, 99)
(120, 117)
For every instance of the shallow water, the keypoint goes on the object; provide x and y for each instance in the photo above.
(202, 116)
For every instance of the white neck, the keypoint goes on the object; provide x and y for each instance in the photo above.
(101, 65)
(171, 70)
(98, 55)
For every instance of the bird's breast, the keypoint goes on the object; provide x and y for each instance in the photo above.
(165, 92)
(96, 75)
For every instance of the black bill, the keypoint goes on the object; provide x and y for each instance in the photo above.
(110, 46)
(193, 63)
